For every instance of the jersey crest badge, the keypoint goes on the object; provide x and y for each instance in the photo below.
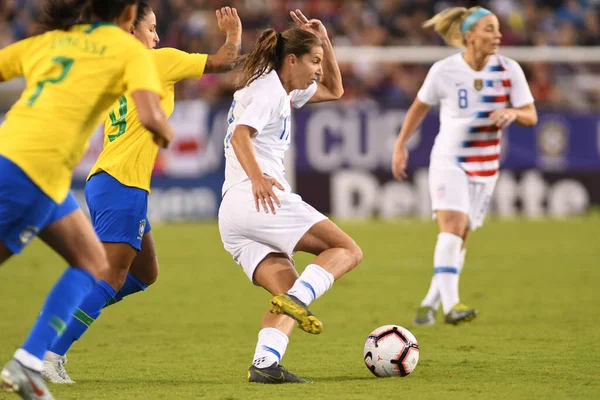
(28, 234)
(142, 229)
(478, 84)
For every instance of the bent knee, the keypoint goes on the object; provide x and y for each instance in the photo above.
(151, 281)
(147, 273)
(95, 263)
(152, 277)
(457, 229)
(456, 224)
(356, 254)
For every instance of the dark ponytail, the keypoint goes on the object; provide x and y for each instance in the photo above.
(272, 48)
(143, 10)
(263, 57)
(62, 14)
(109, 10)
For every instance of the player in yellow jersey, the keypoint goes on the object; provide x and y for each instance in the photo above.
(74, 73)
(119, 183)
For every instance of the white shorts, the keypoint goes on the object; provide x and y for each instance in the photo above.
(249, 236)
(451, 189)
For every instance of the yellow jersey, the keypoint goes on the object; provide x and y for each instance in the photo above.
(129, 152)
(73, 77)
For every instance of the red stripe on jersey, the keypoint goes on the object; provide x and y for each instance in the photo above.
(489, 172)
(481, 143)
(486, 128)
(495, 99)
(491, 157)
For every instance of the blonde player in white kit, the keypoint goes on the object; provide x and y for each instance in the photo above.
(479, 93)
(261, 221)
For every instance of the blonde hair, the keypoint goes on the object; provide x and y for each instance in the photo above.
(448, 24)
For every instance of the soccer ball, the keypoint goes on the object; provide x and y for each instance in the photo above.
(391, 350)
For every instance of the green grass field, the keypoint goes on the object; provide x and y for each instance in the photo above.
(192, 335)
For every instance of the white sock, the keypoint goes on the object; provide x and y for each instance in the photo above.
(432, 298)
(311, 285)
(461, 260)
(270, 347)
(28, 360)
(446, 268)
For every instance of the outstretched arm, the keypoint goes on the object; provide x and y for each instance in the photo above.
(231, 26)
(330, 86)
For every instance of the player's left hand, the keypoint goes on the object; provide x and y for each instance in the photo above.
(228, 20)
(314, 26)
(504, 117)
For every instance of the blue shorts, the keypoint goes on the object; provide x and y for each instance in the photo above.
(119, 212)
(24, 208)
(65, 208)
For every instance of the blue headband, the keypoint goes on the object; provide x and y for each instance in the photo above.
(473, 18)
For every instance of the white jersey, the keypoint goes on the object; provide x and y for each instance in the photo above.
(467, 137)
(265, 106)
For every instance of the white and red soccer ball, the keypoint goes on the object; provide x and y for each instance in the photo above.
(391, 350)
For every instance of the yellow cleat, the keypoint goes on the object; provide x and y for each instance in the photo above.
(292, 307)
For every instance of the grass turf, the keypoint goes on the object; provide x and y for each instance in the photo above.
(192, 335)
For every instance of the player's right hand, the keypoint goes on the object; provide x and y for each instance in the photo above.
(228, 20)
(163, 141)
(262, 188)
(399, 162)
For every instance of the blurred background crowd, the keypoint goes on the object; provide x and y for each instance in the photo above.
(190, 25)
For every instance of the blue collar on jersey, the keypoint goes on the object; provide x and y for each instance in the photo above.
(473, 18)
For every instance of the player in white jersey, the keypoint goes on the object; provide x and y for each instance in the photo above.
(479, 93)
(261, 221)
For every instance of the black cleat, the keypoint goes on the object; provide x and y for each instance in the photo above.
(274, 374)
